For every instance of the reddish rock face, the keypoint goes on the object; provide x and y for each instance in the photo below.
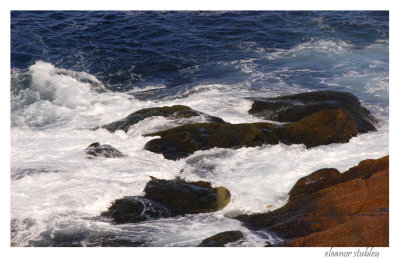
(364, 209)
(330, 209)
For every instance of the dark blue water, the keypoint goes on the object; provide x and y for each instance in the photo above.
(136, 49)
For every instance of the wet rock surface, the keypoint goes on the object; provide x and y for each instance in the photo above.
(170, 112)
(219, 240)
(350, 209)
(168, 198)
(103, 150)
(187, 197)
(324, 127)
(321, 128)
(135, 209)
(292, 108)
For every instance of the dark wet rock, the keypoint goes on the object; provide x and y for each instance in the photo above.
(351, 205)
(321, 128)
(170, 112)
(84, 238)
(59, 238)
(187, 197)
(295, 107)
(126, 211)
(113, 242)
(219, 240)
(168, 198)
(135, 209)
(107, 151)
(184, 140)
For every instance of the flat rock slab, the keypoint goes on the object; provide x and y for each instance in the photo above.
(292, 108)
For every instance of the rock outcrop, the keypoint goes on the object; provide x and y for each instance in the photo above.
(219, 240)
(324, 127)
(168, 198)
(103, 150)
(295, 107)
(187, 197)
(170, 112)
(331, 209)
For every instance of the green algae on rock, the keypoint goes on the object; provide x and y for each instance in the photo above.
(321, 128)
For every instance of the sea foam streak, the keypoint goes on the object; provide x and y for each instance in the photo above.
(55, 188)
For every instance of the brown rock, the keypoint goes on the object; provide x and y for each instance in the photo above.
(345, 210)
(321, 128)
(292, 108)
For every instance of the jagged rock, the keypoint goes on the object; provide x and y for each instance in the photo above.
(107, 151)
(172, 112)
(295, 107)
(324, 127)
(350, 209)
(219, 240)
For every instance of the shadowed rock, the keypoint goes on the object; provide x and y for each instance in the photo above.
(295, 107)
(187, 197)
(172, 112)
(107, 151)
(168, 198)
(324, 127)
(219, 240)
(331, 209)
(135, 209)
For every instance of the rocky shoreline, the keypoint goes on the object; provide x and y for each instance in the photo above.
(325, 208)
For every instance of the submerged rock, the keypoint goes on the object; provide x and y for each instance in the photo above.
(107, 151)
(295, 107)
(187, 197)
(219, 240)
(83, 237)
(168, 198)
(353, 205)
(324, 127)
(172, 112)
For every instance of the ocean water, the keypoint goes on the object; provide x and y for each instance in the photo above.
(72, 71)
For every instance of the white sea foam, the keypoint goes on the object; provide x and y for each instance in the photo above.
(55, 187)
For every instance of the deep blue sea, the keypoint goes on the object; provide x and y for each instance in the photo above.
(75, 70)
